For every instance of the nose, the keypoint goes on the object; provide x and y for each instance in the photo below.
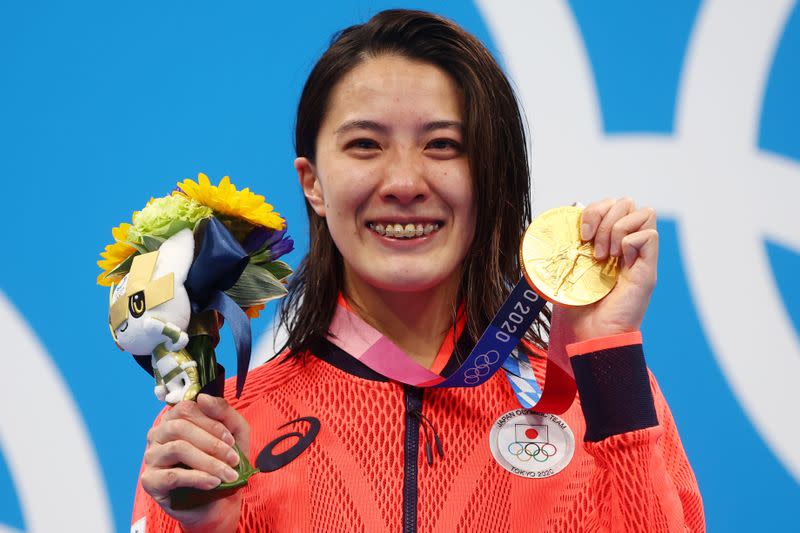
(404, 179)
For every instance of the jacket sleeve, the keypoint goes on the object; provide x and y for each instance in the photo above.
(642, 480)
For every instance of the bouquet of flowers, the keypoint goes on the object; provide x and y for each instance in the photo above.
(202, 255)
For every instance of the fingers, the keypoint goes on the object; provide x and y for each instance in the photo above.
(642, 244)
(592, 216)
(601, 217)
(642, 219)
(192, 447)
(190, 412)
(218, 409)
(198, 450)
(158, 482)
(609, 221)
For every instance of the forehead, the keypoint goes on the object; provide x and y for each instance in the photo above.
(395, 88)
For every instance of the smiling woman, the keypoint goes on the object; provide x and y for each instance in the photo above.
(411, 154)
(377, 179)
(406, 81)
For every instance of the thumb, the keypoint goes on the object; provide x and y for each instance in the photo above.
(219, 409)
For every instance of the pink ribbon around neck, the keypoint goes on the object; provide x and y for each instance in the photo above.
(360, 340)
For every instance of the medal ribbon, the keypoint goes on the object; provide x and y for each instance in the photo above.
(353, 335)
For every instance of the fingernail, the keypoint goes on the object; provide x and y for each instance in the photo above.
(229, 474)
(599, 252)
(228, 438)
(585, 232)
(233, 458)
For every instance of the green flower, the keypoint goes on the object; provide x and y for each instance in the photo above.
(164, 217)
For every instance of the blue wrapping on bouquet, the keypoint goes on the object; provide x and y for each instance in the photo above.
(219, 261)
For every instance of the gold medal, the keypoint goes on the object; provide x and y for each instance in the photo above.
(559, 265)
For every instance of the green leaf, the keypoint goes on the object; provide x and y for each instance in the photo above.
(122, 268)
(279, 269)
(152, 243)
(141, 249)
(261, 256)
(256, 286)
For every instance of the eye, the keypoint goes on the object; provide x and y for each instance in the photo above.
(363, 144)
(136, 304)
(445, 146)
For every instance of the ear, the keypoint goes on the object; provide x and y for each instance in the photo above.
(312, 188)
(176, 255)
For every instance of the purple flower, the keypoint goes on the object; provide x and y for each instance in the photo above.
(276, 241)
(283, 246)
(256, 239)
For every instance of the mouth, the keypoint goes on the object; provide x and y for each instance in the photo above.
(123, 327)
(409, 230)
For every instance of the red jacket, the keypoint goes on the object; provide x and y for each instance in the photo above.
(367, 469)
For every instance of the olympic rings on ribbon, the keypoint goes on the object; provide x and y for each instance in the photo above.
(482, 366)
(532, 450)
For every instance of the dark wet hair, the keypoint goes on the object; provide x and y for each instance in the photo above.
(495, 144)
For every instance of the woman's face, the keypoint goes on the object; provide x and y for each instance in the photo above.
(391, 177)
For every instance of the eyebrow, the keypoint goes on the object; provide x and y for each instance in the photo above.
(443, 125)
(361, 125)
(382, 128)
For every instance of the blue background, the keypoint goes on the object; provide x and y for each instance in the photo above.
(104, 104)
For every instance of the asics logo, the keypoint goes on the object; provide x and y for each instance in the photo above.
(269, 462)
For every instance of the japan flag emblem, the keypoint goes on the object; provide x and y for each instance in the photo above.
(529, 433)
(531, 444)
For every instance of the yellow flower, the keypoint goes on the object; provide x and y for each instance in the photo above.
(224, 199)
(114, 255)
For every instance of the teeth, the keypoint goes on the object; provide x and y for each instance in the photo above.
(400, 231)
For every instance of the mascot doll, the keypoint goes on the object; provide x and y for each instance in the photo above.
(190, 260)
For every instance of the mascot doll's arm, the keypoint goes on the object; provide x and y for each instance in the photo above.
(177, 338)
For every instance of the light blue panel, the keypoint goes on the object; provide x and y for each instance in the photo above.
(780, 114)
(785, 265)
(636, 50)
(10, 512)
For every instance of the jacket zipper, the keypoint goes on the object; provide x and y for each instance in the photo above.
(413, 400)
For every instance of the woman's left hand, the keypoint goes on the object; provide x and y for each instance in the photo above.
(617, 229)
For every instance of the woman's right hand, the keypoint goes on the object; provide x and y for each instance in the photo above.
(199, 435)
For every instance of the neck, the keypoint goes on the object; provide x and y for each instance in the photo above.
(417, 322)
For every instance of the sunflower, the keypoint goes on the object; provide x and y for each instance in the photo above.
(114, 255)
(224, 199)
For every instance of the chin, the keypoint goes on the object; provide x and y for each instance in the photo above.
(412, 280)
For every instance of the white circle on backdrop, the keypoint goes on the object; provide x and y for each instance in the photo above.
(726, 196)
(44, 440)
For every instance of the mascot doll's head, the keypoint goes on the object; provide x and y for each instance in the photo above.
(152, 294)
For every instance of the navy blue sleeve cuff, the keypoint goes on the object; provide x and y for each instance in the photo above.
(614, 389)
